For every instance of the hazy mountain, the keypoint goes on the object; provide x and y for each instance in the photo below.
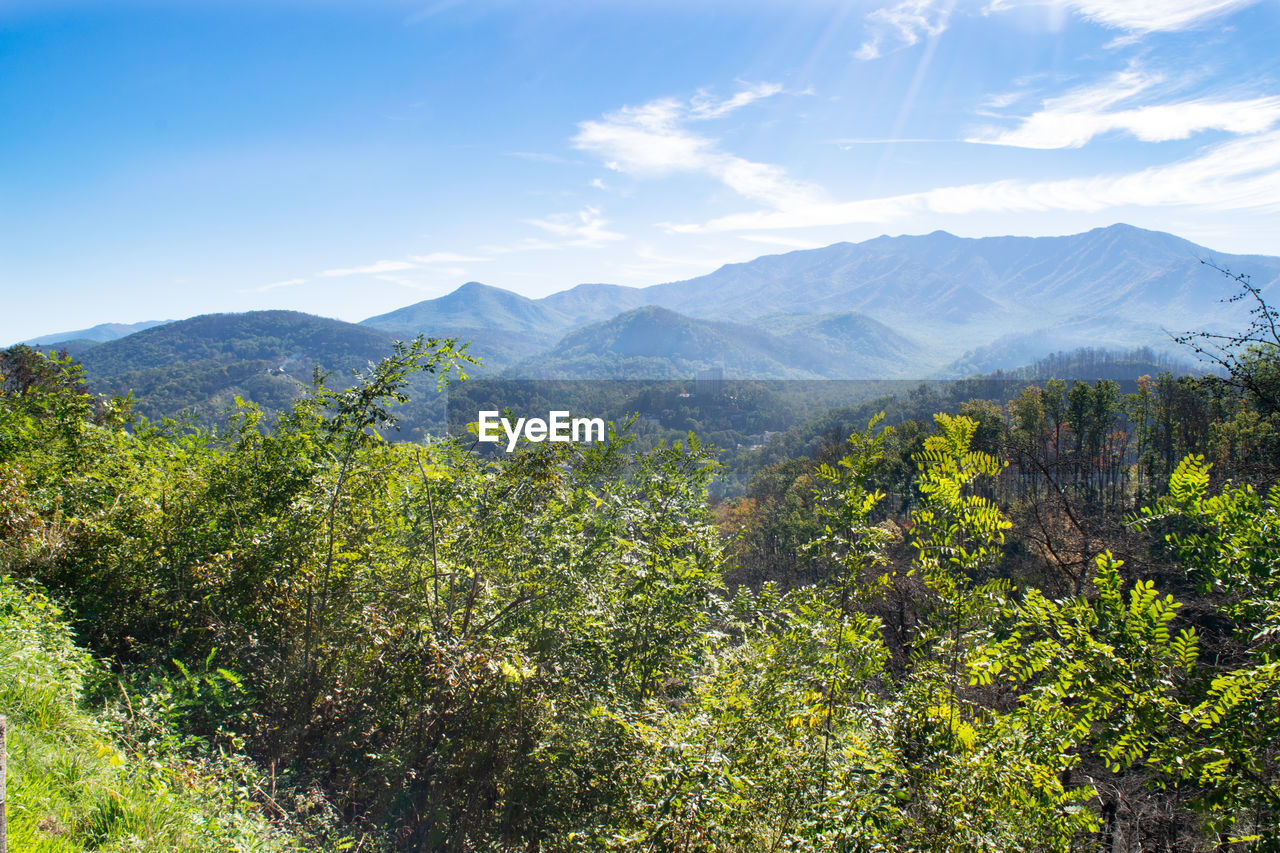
(100, 333)
(74, 347)
(875, 278)
(983, 303)
(471, 306)
(501, 326)
(890, 307)
(504, 327)
(591, 303)
(653, 342)
(848, 345)
(965, 292)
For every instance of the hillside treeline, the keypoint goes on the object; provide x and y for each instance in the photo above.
(988, 630)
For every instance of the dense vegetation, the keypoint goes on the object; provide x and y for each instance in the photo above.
(1045, 625)
(200, 365)
(653, 342)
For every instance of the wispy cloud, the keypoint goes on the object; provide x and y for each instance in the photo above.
(907, 22)
(1001, 100)
(413, 262)
(904, 24)
(650, 264)
(1241, 174)
(586, 228)
(647, 140)
(409, 283)
(1138, 16)
(704, 106)
(653, 140)
(1073, 119)
(275, 285)
(371, 269)
(1158, 123)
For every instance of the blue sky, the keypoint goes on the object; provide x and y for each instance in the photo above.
(161, 160)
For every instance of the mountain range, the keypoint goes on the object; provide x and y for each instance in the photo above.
(939, 305)
(75, 343)
(934, 305)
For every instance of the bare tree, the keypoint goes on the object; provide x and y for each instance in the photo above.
(1250, 358)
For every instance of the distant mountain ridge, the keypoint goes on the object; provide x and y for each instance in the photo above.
(100, 333)
(203, 363)
(654, 342)
(1001, 300)
(499, 325)
(473, 305)
(930, 306)
(271, 336)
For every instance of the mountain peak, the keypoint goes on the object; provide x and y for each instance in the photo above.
(477, 287)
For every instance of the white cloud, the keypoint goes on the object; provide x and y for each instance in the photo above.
(703, 106)
(585, 228)
(414, 262)
(903, 25)
(289, 282)
(371, 269)
(1143, 16)
(1001, 100)
(907, 22)
(652, 141)
(1237, 175)
(1158, 123)
(1073, 119)
(650, 264)
(645, 140)
(406, 282)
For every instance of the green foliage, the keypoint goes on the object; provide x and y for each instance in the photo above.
(406, 646)
(846, 502)
(72, 786)
(776, 750)
(958, 530)
(1229, 544)
(1097, 675)
(418, 633)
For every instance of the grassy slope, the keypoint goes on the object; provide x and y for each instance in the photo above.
(71, 786)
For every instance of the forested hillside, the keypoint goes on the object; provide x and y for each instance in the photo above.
(1041, 621)
(199, 366)
(654, 343)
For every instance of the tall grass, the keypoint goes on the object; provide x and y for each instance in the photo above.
(72, 787)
